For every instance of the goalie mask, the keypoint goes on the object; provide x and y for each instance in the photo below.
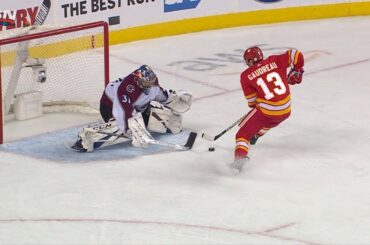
(146, 77)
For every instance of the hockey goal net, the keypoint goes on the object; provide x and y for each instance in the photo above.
(66, 68)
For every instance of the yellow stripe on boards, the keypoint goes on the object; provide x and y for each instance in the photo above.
(239, 19)
(201, 24)
(57, 48)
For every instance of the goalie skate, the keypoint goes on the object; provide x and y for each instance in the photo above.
(104, 140)
(99, 135)
(77, 146)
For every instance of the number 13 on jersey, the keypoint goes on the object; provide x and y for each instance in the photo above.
(273, 85)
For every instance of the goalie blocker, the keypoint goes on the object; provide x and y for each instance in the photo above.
(162, 117)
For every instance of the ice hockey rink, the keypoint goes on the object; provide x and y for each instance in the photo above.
(307, 182)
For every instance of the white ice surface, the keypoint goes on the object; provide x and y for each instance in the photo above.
(307, 182)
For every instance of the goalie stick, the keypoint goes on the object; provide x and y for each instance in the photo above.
(187, 146)
(214, 138)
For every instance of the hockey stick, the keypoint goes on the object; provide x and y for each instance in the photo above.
(43, 12)
(213, 138)
(187, 146)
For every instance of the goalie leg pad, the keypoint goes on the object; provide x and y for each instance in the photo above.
(100, 135)
(162, 120)
(139, 135)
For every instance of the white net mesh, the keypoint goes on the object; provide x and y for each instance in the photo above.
(72, 63)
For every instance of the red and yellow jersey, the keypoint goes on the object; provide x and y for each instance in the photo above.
(265, 84)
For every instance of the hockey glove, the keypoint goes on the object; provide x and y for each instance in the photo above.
(179, 102)
(295, 76)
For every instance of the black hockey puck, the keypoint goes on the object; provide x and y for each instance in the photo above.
(211, 149)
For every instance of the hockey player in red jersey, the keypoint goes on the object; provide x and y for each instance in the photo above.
(134, 106)
(265, 85)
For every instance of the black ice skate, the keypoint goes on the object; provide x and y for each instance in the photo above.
(78, 146)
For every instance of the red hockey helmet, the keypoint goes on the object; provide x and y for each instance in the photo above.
(253, 53)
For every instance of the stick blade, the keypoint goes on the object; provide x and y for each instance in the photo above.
(189, 144)
(43, 12)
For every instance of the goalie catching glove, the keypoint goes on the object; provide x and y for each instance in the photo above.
(179, 102)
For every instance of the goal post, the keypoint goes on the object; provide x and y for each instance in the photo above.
(65, 66)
